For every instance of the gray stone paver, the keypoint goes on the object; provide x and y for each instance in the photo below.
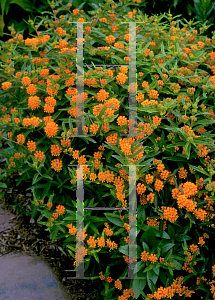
(5, 219)
(28, 278)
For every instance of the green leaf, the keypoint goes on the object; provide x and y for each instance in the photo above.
(94, 228)
(3, 2)
(163, 277)
(115, 219)
(164, 236)
(34, 211)
(8, 152)
(199, 170)
(151, 280)
(24, 4)
(35, 178)
(187, 149)
(187, 277)
(145, 247)
(150, 267)
(149, 237)
(54, 232)
(140, 266)
(96, 256)
(47, 188)
(3, 186)
(166, 247)
(138, 286)
(118, 59)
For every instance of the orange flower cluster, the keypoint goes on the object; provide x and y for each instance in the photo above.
(125, 146)
(51, 129)
(33, 102)
(20, 138)
(31, 121)
(169, 213)
(6, 85)
(56, 164)
(94, 128)
(153, 94)
(112, 139)
(119, 46)
(55, 150)
(31, 146)
(60, 209)
(110, 39)
(122, 120)
(102, 95)
(44, 72)
(182, 173)
(108, 231)
(189, 189)
(65, 143)
(141, 188)
(158, 185)
(121, 78)
(183, 201)
(60, 31)
(31, 89)
(156, 120)
(39, 155)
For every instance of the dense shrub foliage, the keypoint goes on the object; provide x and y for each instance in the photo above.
(173, 149)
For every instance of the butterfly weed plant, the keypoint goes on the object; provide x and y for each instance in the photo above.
(173, 148)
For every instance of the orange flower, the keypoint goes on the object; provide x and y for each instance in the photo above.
(156, 120)
(182, 173)
(102, 95)
(31, 89)
(33, 102)
(158, 185)
(170, 213)
(51, 129)
(60, 31)
(56, 164)
(31, 146)
(55, 150)
(112, 139)
(144, 256)
(118, 284)
(20, 139)
(109, 279)
(48, 108)
(101, 242)
(50, 101)
(110, 39)
(122, 120)
(39, 155)
(44, 72)
(60, 209)
(152, 258)
(108, 231)
(94, 128)
(189, 189)
(6, 85)
(92, 242)
(121, 78)
(17, 155)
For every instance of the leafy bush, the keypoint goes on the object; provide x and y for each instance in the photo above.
(173, 151)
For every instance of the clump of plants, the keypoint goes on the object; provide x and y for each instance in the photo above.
(172, 151)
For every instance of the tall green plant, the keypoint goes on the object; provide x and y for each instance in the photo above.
(33, 7)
